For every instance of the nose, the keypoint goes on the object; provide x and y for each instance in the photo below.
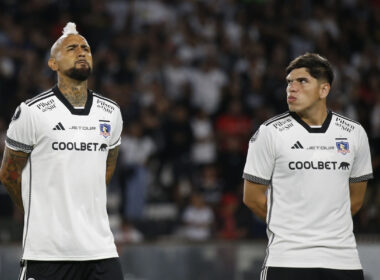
(292, 87)
(81, 53)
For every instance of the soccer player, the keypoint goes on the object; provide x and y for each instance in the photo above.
(306, 173)
(61, 151)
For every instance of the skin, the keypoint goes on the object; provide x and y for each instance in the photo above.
(255, 198)
(111, 163)
(307, 98)
(10, 174)
(69, 51)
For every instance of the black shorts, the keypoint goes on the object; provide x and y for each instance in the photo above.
(294, 273)
(105, 269)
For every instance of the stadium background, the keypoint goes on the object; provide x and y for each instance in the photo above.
(194, 80)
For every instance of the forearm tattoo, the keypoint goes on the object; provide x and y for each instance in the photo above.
(111, 163)
(11, 169)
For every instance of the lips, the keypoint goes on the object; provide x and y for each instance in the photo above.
(291, 99)
(82, 62)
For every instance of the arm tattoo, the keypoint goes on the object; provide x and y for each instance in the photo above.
(10, 173)
(111, 163)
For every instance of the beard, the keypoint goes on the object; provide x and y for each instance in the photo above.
(79, 74)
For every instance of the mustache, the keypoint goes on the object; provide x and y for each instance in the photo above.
(81, 61)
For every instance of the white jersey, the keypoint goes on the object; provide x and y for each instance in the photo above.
(64, 182)
(308, 171)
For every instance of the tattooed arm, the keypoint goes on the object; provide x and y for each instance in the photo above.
(10, 173)
(111, 163)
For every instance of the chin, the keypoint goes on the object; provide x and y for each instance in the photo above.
(292, 108)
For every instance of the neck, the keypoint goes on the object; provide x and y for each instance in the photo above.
(314, 116)
(74, 91)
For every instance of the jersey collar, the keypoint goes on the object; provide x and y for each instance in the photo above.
(74, 111)
(321, 129)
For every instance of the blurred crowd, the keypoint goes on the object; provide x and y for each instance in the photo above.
(194, 80)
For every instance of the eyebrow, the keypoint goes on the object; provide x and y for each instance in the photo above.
(297, 79)
(75, 45)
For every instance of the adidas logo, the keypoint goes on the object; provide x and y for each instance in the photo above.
(297, 145)
(59, 126)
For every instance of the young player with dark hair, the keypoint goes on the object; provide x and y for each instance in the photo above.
(306, 174)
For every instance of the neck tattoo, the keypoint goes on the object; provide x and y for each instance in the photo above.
(76, 95)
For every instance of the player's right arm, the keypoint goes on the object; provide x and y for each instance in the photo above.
(10, 173)
(258, 171)
(20, 141)
(255, 198)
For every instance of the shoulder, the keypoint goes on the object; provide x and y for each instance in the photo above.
(276, 118)
(280, 123)
(268, 128)
(100, 99)
(346, 124)
(39, 97)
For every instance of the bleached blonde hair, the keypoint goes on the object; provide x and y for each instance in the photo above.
(69, 29)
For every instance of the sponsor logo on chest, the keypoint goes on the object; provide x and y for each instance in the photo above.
(47, 105)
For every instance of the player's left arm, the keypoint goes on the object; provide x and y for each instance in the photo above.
(361, 171)
(111, 163)
(357, 193)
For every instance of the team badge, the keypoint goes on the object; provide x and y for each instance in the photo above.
(105, 129)
(343, 147)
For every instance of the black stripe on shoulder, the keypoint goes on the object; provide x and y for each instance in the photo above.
(276, 118)
(343, 117)
(39, 99)
(97, 95)
(38, 96)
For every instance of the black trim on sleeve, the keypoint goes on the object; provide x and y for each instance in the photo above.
(321, 129)
(84, 112)
(361, 178)
(256, 180)
(18, 146)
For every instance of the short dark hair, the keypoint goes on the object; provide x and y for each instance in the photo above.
(317, 66)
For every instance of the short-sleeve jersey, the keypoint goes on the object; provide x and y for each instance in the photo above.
(64, 181)
(308, 171)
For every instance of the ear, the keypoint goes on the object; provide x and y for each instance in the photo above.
(53, 64)
(324, 90)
